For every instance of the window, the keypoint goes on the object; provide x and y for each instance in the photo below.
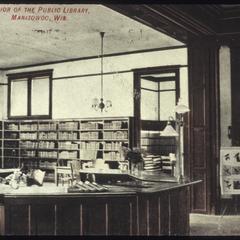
(159, 92)
(30, 95)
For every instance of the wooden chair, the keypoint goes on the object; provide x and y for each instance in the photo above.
(63, 174)
(75, 168)
(68, 173)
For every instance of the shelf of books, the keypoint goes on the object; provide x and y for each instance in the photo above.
(46, 143)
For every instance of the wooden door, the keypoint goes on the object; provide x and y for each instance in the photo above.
(201, 160)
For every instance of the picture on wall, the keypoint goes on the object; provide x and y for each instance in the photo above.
(230, 170)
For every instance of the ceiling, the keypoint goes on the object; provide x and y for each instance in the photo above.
(29, 42)
(188, 22)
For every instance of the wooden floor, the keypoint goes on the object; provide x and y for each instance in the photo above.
(211, 225)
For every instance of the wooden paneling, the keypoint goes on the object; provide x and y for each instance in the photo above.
(2, 220)
(43, 219)
(120, 217)
(199, 197)
(95, 217)
(69, 219)
(17, 220)
(199, 152)
(178, 203)
(204, 117)
(164, 213)
(235, 90)
(153, 216)
(163, 210)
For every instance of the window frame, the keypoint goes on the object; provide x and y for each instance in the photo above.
(30, 76)
(160, 70)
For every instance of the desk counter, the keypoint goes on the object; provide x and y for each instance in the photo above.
(156, 208)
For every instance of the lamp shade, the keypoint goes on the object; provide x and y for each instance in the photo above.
(169, 131)
(180, 108)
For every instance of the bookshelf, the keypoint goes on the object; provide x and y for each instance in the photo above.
(158, 148)
(45, 144)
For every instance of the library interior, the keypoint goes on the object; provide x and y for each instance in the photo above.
(118, 119)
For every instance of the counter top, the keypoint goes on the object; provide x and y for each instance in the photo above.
(140, 175)
(51, 190)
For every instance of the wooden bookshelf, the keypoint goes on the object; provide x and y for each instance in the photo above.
(46, 143)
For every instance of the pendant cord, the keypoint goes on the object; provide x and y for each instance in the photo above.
(102, 35)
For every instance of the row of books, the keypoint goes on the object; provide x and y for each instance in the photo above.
(115, 135)
(47, 135)
(115, 125)
(11, 126)
(66, 154)
(67, 145)
(47, 164)
(90, 125)
(46, 144)
(67, 135)
(47, 126)
(112, 145)
(88, 154)
(28, 144)
(90, 145)
(47, 154)
(28, 136)
(29, 154)
(68, 126)
(28, 127)
(90, 135)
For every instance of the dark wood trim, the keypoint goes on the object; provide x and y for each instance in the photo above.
(177, 87)
(116, 72)
(162, 69)
(149, 213)
(9, 99)
(93, 57)
(150, 90)
(3, 84)
(160, 79)
(29, 97)
(38, 73)
(137, 88)
(91, 75)
(203, 142)
(50, 94)
(137, 107)
(235, 86)
(168, 90)
(158, 101)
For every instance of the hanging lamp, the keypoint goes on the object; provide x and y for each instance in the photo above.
(98, 104)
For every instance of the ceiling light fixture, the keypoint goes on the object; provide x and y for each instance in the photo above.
(96, 103)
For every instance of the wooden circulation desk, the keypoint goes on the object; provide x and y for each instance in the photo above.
(161, 208)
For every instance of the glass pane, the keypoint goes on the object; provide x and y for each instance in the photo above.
(149, 84)
(149, 105)
(167, 104)
(19, 97)
(40, 96)
(167, 85)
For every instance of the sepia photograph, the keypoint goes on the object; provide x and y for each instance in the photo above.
(119, 119)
